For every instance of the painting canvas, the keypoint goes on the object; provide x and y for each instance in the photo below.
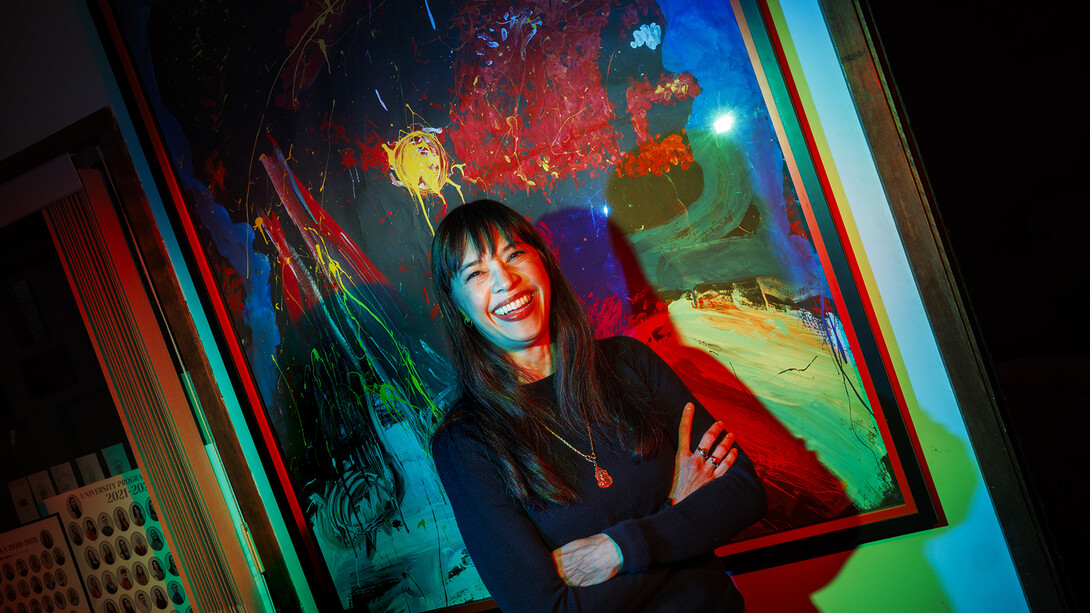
(315, 145)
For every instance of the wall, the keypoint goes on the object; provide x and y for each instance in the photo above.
(55, 72)
(49, 75)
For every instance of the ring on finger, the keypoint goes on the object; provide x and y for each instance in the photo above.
(704, 453)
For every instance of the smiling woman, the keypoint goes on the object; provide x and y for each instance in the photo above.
(503, 290)
(540, 400)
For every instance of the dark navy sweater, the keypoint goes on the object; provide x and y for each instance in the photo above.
(668, 562)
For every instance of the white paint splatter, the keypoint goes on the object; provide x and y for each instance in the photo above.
(649, 35)
(380, 101)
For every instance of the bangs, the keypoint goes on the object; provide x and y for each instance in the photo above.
(475, 225)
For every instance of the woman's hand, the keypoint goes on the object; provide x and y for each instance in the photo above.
(693, 470)
(588, 561)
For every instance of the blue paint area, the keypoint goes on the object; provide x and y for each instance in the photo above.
(743, 168)
(233, 240)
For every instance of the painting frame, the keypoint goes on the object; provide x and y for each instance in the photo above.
(798, 136)
(822, 207)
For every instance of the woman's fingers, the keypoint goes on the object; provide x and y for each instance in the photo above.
(725, 464)
(723, 448)
(685, 430)
(719, 457)
(724, 454)
(707, 442)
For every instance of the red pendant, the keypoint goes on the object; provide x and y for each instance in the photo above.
(604, 480)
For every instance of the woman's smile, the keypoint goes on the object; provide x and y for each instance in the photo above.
(514, 309)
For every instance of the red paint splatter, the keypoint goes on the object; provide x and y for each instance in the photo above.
(232, 287)
(308, 35)
(657, 157)
(348, 157)
(317, 228)
(608, 316)
(530, 108)
(215, 169)
(641, 95)
(547, 235)
(355, 151)
(795, 221)
(296, 301)
(337, 132)
(633, 13)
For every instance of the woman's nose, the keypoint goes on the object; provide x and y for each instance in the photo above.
(503, 278)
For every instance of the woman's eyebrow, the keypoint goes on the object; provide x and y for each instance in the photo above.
(470, 264)
(512, 244)
(507, 246)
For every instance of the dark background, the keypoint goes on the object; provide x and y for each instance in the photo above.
(992, 95)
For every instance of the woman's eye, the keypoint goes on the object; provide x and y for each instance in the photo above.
(472, 275)
(515, 254)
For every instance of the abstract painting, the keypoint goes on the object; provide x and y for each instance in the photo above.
(316, 144)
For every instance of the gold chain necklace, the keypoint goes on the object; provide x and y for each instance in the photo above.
(604, 480)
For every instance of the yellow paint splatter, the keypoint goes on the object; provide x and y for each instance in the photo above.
(423, 167)
(259, 226)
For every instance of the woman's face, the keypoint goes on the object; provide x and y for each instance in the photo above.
(505, 294)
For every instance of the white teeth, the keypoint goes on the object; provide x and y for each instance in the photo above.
(507, 308)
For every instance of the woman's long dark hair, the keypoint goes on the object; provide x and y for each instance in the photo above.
(507, 419)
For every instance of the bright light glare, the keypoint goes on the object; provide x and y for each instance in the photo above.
(605, 211)
(724, 123)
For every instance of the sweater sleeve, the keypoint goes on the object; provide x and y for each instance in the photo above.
(706, 519)
(508, 552)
